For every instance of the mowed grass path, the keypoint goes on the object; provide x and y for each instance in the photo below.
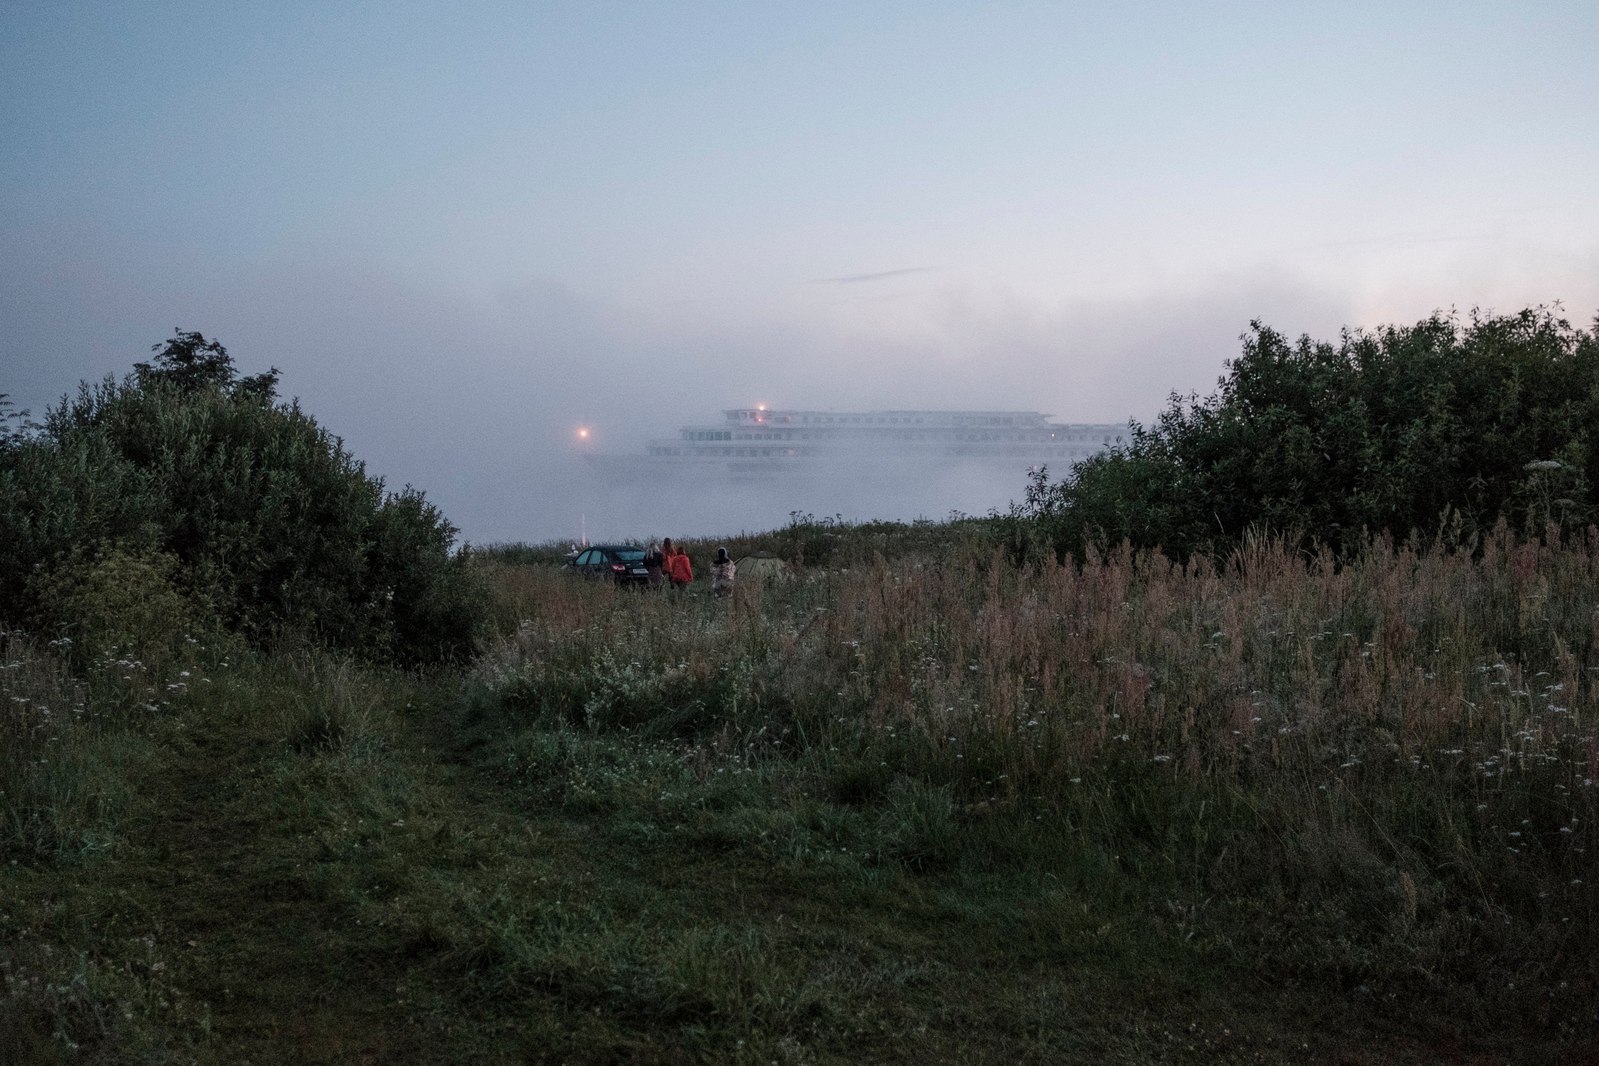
(204, 933)
(346, 880)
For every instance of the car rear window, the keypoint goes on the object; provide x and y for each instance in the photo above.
(631, 555)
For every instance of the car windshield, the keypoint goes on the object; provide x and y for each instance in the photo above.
(630, 555)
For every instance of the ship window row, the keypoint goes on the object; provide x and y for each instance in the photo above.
(762, 418)
(909, 435)
(722, 453)
(908, 420)
(1064, 452)
(847, 420)
(712, 435)
(881, 420)
(896, 420)
(905, 435)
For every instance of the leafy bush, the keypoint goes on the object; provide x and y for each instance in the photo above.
(14, 424)
(121, 600)
(1405, 428)
(274, 526)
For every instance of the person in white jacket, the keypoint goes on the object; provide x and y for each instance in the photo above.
(722, 572)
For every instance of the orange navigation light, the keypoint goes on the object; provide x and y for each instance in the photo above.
(760, 407)
(582, 433)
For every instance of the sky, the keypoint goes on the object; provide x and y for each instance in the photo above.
(461, 230)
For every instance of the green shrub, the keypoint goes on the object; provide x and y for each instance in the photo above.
(271, 522)
(1431, 427)
(122, 600)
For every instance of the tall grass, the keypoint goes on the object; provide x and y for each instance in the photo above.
(1380, 768)
(68, 736)
(1375, 779)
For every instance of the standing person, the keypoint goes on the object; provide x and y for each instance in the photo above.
(722, 572)
(655, 563)
(678, 569)
(668, 549)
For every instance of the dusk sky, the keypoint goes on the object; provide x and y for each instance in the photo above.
(462, 230)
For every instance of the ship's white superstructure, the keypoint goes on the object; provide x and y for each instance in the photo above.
(760, 442)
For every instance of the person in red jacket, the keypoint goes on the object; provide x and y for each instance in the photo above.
(678, 569)
(668, 549)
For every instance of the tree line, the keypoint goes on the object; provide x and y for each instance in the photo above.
(1439, 429)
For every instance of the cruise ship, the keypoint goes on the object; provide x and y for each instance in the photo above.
(760, 443)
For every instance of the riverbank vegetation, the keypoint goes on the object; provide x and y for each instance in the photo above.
(1439, 429)
(929, 792)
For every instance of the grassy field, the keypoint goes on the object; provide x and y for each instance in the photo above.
(911, 801)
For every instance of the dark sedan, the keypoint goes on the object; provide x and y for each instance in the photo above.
(621, 563)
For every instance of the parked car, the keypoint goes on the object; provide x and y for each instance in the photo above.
(621, 563)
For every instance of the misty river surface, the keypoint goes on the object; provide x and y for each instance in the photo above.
(689, 500)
